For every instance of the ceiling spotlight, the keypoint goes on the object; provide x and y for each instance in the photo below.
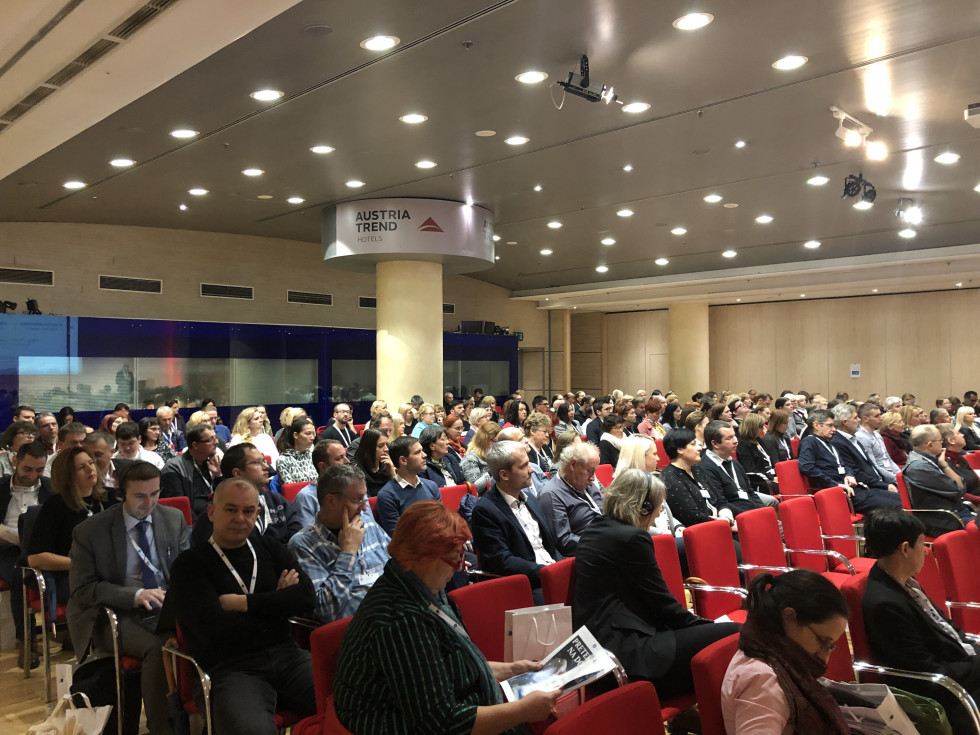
(296, 200)
(7, 305)
(849, 129)
(414, 118)
(554, 224)
(531, 77)
(263, 197)
(729, 254)
(485, 133)
(183, 133)
(74, 185)
(538, 187)
(516, 140)
(608, 241)
(627, 168)
(764, 219)
(739, 143)
(266, 95)
(380, 43)
(875, 150)
(788, 63)
(322, 149)
(512, 242)
(582, 85)
(253, 172)
(693, 21)
(811, 244)
(636, 107)
(977, 188)
(948, 158)
(546, 251)
(713, 198)
(678, 231)
(908, 212)
(959, 285)
(182, 207)
(730, 205)
(121, 162)
(624, 213)
(818, 180)
(496, 238)
(874, 290)
(863, 204)
(908, 233)
(33, 308)
(661, 261)
(496, 257)
(802, 295)
(601, 269)
(426, 164)
(197, 191)
(355, 184)
(858, 186)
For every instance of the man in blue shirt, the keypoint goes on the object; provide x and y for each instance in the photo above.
(344, 551)
(406, 487)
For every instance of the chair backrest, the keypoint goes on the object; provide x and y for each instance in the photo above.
(709, 666)
(604, 474)
(665, 549)
(181, 503)
(291, 489)
(359, 428)
(483, 606)
(760, 539)
(791, 481)
(794, 444)
(634, 708)
(931, 580)
(973, 459)
(903, 491)
(558, 582)
(452, 495)
(835, 520)
(801, 528)
(956, 553)
(325, 649)
(662, 459)
(853, 591)
(373, 502)
(711, 556)
(25, 527)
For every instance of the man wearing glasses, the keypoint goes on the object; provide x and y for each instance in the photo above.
(342, 430)
(344, 551)
(933, 484)
(195, 473)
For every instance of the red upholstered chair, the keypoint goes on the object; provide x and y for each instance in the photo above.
(973, 459)
(558, 582)
(633, 709)
(931, 580)
(708, 668)
(291, 489)
(662, 459)
(123, 665)
(801, 528)
(373, 502)
(483, 606)
(325, 649)
(711, 557)
(957, 552)
(761, 542)
(359, 428)
(665, 549)
(837, 521)
(181, 503)
(903, 491)
(791, 480)
(604, 474)
(794, 444)
(452, 495)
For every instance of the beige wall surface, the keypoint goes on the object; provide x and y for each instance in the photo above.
(637, 351)
(919, 343)
(587, 353)
(78, 254)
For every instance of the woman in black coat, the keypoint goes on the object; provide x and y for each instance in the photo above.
(622, 597)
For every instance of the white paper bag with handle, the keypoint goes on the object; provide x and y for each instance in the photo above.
(67, 719)
(533, 632)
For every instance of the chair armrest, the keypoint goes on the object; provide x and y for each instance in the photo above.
(949, 513)
(972, 637)
(308, 623)
(968, 605)
(825, 552)
(947, 683)
(741, 592)
(202, 676)
(764, 568)
(845, 537)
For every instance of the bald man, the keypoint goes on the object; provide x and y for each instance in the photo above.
(933, 484)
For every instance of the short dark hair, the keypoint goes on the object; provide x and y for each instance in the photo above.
(235, 458)
(15, 428)
(968, 394)
(22, 408)
(611, 421)
(429, 436)
(376, 420)
(564, 413)
(539, 399)
(126, 430)
(820, 416)
(886, 529)
(814, 598)
(867, 408)
(604, 400)
(96, 436)
(70, 429)
(779, 402)
(138, 471)
(401, 447)
(194, 435)
(934, 414)
(676, 440)
(145, 423)
(337, 478)
(34, 449)
(712, 432)
(321, 450)
(120, 407)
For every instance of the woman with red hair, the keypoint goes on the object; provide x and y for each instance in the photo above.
(407, 663)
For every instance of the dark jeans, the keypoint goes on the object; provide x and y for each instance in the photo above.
(11, 574)
(246, 691)
(678, 678)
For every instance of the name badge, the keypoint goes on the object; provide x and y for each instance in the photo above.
(743, 495)
(840, 469)
(705, 494)
(367, 579)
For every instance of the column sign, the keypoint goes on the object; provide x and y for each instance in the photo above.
(356, 235)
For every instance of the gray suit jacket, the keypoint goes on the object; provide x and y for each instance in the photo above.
(99, 552)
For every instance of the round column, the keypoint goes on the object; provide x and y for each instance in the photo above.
(409, 331)
(688, 348)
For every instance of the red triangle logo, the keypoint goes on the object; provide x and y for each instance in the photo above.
(429, 226)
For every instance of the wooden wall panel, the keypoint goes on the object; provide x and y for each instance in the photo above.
(637, 341)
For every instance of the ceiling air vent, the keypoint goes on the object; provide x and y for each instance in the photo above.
(139, 19)
(218, 291)
(308, 297)
(122, 283)
(367, 302)
(25, 277)
(449, 308)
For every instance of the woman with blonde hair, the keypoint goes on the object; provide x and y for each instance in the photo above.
(378, 407)
(397, 427)
(407, 412)
(249, 428)
(966, 425)
(427, 417)
(474, 464)
(478, 417)
(537, 433)
(891, 432)
(639, 452)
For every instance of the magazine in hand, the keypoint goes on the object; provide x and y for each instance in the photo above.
(578, 661)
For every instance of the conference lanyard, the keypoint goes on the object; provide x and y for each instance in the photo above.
(833, 450)
(449, 621)
(142, 556)
(234, 572)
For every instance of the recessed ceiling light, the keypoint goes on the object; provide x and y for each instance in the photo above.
(713, 198)
(253, 172)
(554, 224)
(802, 295)
(496, 238)
(959, 285)
(730, 205)
(380, 43)
(266, 95)
(740, 144)
(693, 21)
(874, 290)
(601, 269)
(182, 207)
(512, 242)
(531, 77)
(74, 185)
(496, 257)
(818, 180)
(635, 107)
(624, 213)
(425, 164)
(321, 149)
(355, 184)
(121, 162)
(516, 140)
(876, 150)
(413, 118)
(763, 219)
(627, 168)
(908, 233)
(538, 187)
(546, 251)
(862, 205)
(486, 133)
(812, 244)
(729, 253)
(977, 188)
(738, 301)
(296, 200)
(661, 261)
(263, 196)
(608, 241)
(197, 191)
(678, 231)
(948, 158)
(183, 133)
(787, 63)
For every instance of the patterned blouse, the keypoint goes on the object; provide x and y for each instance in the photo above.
(296, 467)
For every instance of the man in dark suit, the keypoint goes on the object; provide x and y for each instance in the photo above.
(195, 473)
(722, 474)
(121, 559)
(872, 490)
(169, 432)
(904, 628)
(510, 532)
(603, 407)
(99, 445)
(18, 492)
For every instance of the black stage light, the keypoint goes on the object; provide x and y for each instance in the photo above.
(32, 307)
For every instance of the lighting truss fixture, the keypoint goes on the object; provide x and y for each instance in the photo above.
(852, 131)
(909, 212)
(581, 85)
(6, 306)
(860, 188)
(32, 307)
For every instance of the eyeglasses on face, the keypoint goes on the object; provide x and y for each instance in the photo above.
(825, 643)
